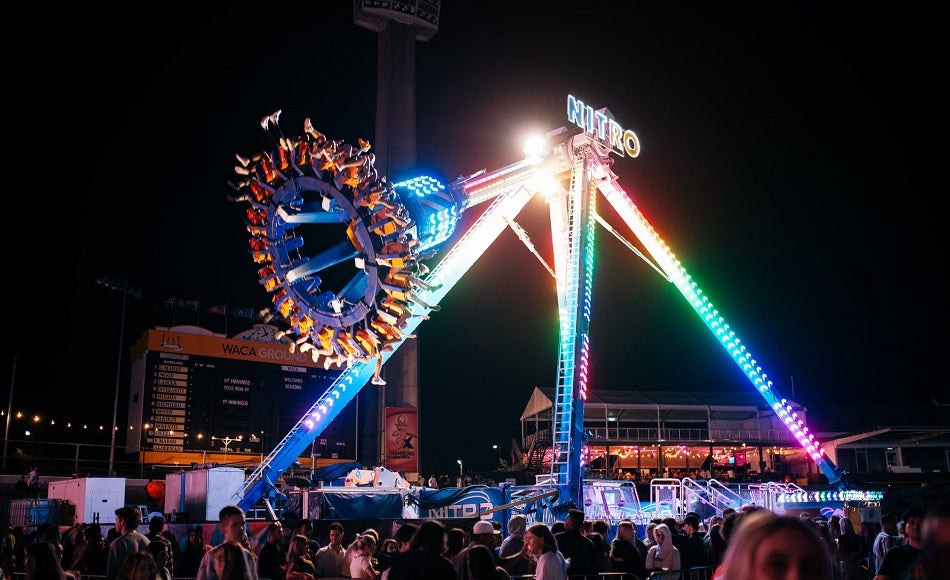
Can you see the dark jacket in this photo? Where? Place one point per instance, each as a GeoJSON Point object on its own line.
{"type": "Point", "coordinates": [580, 550]}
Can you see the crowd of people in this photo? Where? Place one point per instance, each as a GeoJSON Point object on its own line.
{"type": "Point", "coordinates": [750, 543]}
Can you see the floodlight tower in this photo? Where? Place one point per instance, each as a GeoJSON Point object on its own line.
{"type": "Point", "coordinates": [398, 26]}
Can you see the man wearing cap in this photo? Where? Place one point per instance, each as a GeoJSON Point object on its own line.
{"type": "Point", "coordinates": [129, 540]}
{"type": "Point", "coordinates": [483, 532]}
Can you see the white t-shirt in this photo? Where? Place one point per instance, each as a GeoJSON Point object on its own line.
{"type": "Point", "coordinates": [360, 567]}
{"type": "Point", "coordinates": [551, 566]}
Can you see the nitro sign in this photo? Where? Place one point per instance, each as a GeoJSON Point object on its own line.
{"type": "Point", "coordinates": [601, 127]}
{"type": "Point", "coordinates": [474, 501]}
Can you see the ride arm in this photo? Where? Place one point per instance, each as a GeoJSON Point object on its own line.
{"type": "Point", "coordinates": [510, 189]}
{"type": "Point", "coordinates": [727, 338]}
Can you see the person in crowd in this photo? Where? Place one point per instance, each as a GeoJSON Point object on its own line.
{"type": "Point", "coordinates": [513, 543]}
{"type": "Point", "coordinates": [51, 534]}
{"type": "Point", "coordinates": [139, 566]}
{"type": "Point", "coordinates": [299, 562]}
{"type": "Point", "coordinates": [75, 561]}
{"type": "Point", "coordinates": [901, 530]}
{"type": "Point", "coordinates": [97, 551]}
{"type": "Point", "coordinates": [42, 563]}
{"type": "Point", "coordinates": [869, 531]}
{"type": "Point", "coordinates": [129, 539]}
{"type": "Point", "coordinates": [195, 550]}
{"type": "Point", "coordinates": [361, 566]}
{"type": "Point", "coordinates": [648, 540]}
{"type": "Point", "coordinates": [328, 561]}
{"type": "Point", "coordinates": [33, 482]}
{"type": "Point", "coordinates": [433, 482]}
{"type": "Point", "coordinates": [603, 528]}
{"type": "Point", "coordinates": [557, 527]}
{"type": "Point", "coordinates": [627, 552]}
{"type": "Point", "coordinates": [601, 552]}
{"type": "Point", "coordinates": [935, 541]}
{"type": "Point", "coordinates": [577, 549]}
{"type": "Point", "coordinates": [380, 558]}
{"type": "Point", "coordinates": [713, 520]}
{"type": "Point", "coordinates": [176, 549]}
{"type": "Point", "coordinates": [306, 528]}
{"type": "Point", "coordinates": [403, 539]}
{"type": "Point", "coordinates": [483, 534]}
{"type": "Point", "coordinates": [513, 546]}
{"type": "Point", "coordinates": [390, 546]}
{"type": "Point", "coordinates": [715, 545]}
{"type": "Point", "coordinates": [19, 549]}
{"type": "Point", "coordinates": [884, 541]}
{"type": "Point", "coordinates": [230, 563]}
{"type": "Point", "coordinates": [161, 552]}
{"type": "Point", "coordinates": [455, 542]}
{"type": "Point", "coordinates": [664, 555]}
{"type": "Point", "coordinates": [271, 560]}
{"type": "Point", "coordinates": [156, 533]}
{"type": "Point", "coordinates": [232, 524]}
{"type": "Point", "coordinates": [424, 558]}
{"type": "Point", "coordinates": [729, 523]}
{"type": "Point", "coordinates": [850, 552]}
{"type": "Point", "coordinates": [541, 544]}
{"type": "Point", "coordinates": [690, 543]}
{"type": "Point", "coordinates": [481, 565]}
{"type": "Point", "coordinates": [768, 546]}
{"type": "Point", "coordinates": [905, 560]}
{"type": "Point", "coordinates": [155, 526]}
{"type": "Point", "coordinates": [834, 526]}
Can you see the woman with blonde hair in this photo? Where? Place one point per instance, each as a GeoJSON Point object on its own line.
{"type": "Point", "coordinates": [663, 555]}
{"type": "Point", "coordinates": [361, 566]}
{"type": "Point", "coordinates": [766, 546]}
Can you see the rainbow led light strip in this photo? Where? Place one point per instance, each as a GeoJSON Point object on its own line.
{"type": "Point", "coordinates": [716, 323]}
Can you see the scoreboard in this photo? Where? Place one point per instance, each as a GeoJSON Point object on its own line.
{"type": "Point", "coordinates": [194, 390]}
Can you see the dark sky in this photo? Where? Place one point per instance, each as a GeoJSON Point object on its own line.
{"type": "Point", "coordinates": [792, 157]}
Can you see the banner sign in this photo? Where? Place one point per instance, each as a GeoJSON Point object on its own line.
{"type": "Point", "coordinates": [402, 437]}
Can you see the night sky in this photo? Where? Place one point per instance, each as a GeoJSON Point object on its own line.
{"type": "Point", "coordinates": [792, 157]}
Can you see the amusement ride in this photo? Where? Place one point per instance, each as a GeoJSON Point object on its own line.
{"type": "Point", "coordinates": [362, 285]}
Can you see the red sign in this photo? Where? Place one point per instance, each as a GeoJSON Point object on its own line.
{"type": "Point", "coordinates": [402, 437]}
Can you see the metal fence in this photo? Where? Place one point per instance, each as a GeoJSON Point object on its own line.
{"type": "Point", "coordinates": [69, 459]}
